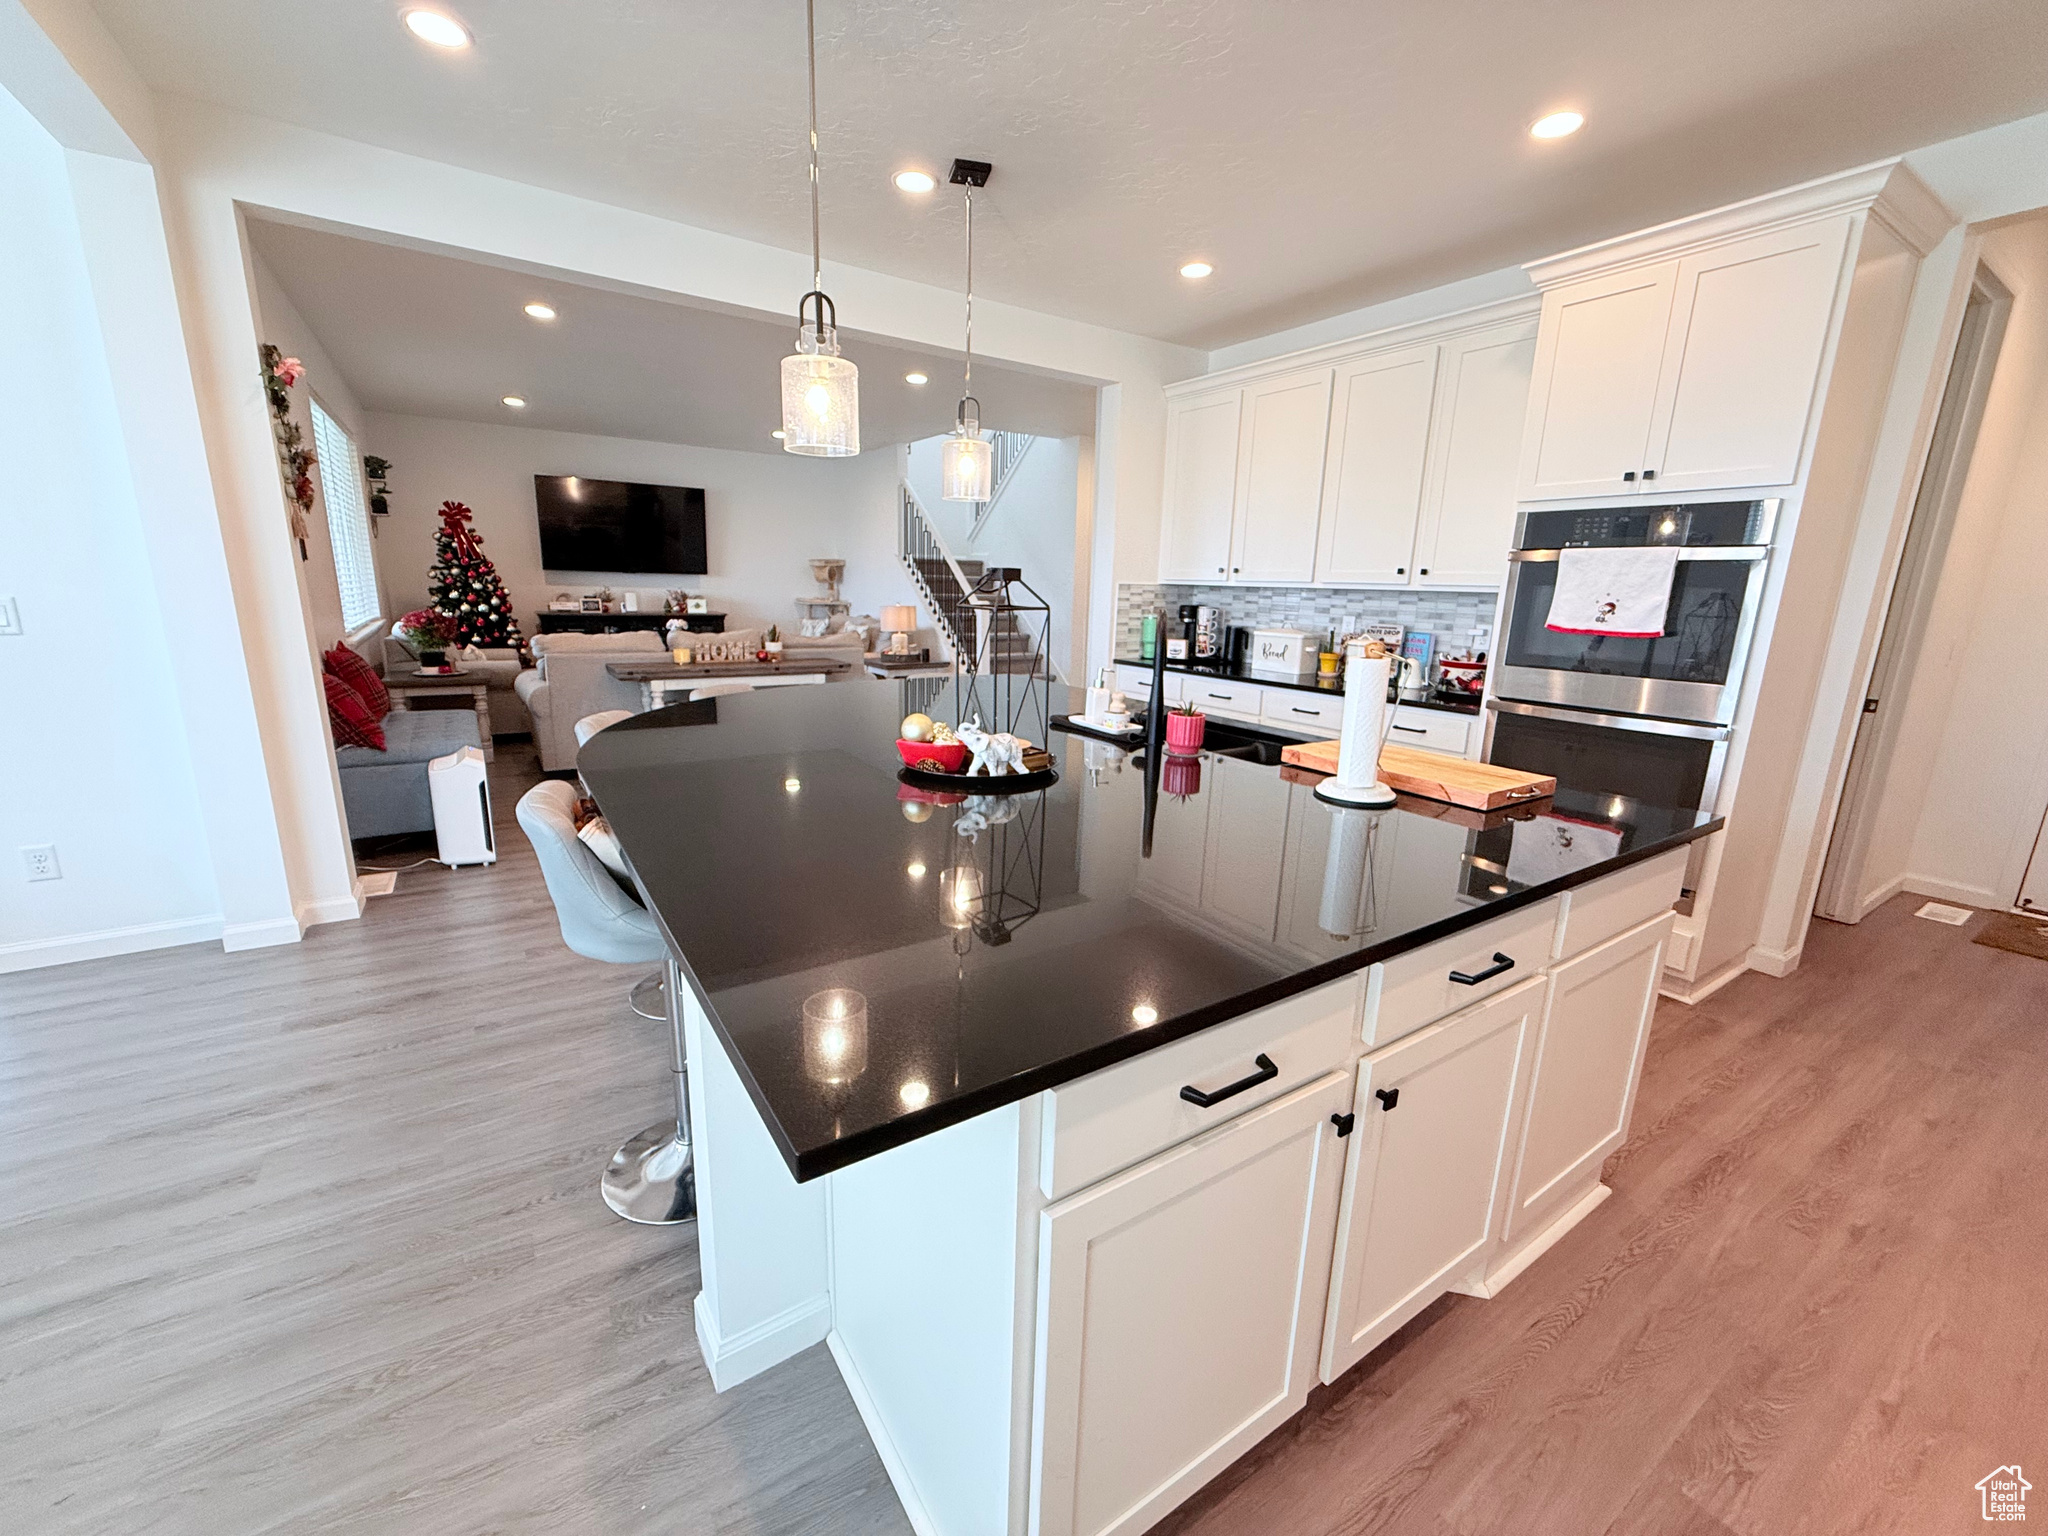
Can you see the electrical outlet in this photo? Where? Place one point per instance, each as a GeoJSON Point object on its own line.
{"type": "Point", "coordinates": [42, 862]}
{"type": "Point", "coordinates": [10, 617]}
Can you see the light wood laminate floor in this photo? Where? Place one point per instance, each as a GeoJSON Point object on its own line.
{"type": "Point", "coordinates": [308, 1239]}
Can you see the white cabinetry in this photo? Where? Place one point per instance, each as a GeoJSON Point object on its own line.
{"type": "Point", "coordinates": [1693, 373]}
{"type": "Point", "coordinates": [1201, 486]}
{"type": "Point", "coordinates": [1244, 470]}
{"type": "Point", "coordinates": [1280, 458]}
{"type": "Point", "coordinates": [1468, 518]}
{"type": "Point", "coordinates": [1428, 1160]}
{"type": "Point", "coordinates": [1180, 1308]}
{"type": "Point", "coordinates": [1393, 464]}
{"type": "Point", "coordinates": [1582, 1083]}
{"type": "Point", "coordinates": [1373, 477]}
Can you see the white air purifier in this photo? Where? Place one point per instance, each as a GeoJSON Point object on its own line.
{"type": "Point", "coordinates": [462, 809]}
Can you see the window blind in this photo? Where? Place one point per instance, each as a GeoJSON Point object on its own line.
{"type": "Point", "coordinates": [348, 519]}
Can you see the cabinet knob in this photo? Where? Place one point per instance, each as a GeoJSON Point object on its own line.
{"type": "Point", "coordinates": [1400, 570]}
{"type": "Point", "coordinates": [1388, 1097]}
{"type": "Point", "coordinates": [1219, 570]}
{"type": "Point", "coordinates": [1343, 1124]}
{"type": "Point", "coordinates": [1649, 474]}
{"type": "Point", "coordinates": [1628, 474]}
{"type": "Point", "coordinates": [1423, 572]}
{"type": "Point", "coordinates": [1236, 570]}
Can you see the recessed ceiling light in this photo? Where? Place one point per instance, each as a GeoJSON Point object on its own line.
{"type": "Point", "coordinates": [1196, 269]}
{"type": "Point", "coordinates": [915, 378]}
{"type": "Point", "coordinates": [776, 434]}
{"type": "Point", "coordinates": [914, 181]}
{"type": "Point", "coordinates": [1557, 125]}
{"type": "Point", "coordinates": [541, 311]}
{"type": "Point", "coordinates": [438, 28]}
{"type": "Point", "coordinates": [517, 402]}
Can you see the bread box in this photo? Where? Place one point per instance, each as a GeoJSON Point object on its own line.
{"type": "Point", "coordinates": [1281, 653]}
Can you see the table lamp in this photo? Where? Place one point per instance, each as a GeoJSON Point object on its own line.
{"type": "Point", "coordinates": [899, 619]}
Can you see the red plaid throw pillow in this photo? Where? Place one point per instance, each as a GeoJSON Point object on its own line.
{"type": "Point", "coordinates": [354, 725]}
{"type": "Point", "coordinates": [345, 664]}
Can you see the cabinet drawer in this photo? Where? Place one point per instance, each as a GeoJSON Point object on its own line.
{"type": "Point", "coordinates": [1595, 913]}
{"type": "Point", "coordinates": [1299, 711]}
{"type": "Point", "coordinates": [1136, 682]}
{"type": "Point", "coordinates": [1430, 729]}
{"type": "Point", "coordinates": [1416, 988]}
{"type": "Point", "coordinates": [1123, 1114]}
{"type": "Point", "coordinates": [1220, 696]}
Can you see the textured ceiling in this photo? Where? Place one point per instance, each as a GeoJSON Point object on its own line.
{"type": "Point", "coordinates": [425, 334]}
{"type": "Point", "coordinates": [1323, 153]}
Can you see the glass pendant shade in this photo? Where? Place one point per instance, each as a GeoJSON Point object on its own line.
{"type": "Point", "coordinates": [967, 462]}
{"type": "Point", "coordinates": [820, 397]}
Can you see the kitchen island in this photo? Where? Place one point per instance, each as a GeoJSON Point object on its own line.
{"type": "Point", "coordinates": [1092, 1125]}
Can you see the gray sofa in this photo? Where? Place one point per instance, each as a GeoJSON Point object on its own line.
{"type": "Point", "coordinates": [386, 792]}
{"type": "Point", "coordinates": [569, 680]}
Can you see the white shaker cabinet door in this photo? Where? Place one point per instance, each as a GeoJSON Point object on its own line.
{"type": "Point", "coordinates": [1598, 357]}
{"type": "Point", "coordinates": [1179, 1309]}
{"type": "Point", "coordinates": [1247, 841]}
{"type": "Point", "coordinates": [1468, 520]}
{"type": "Point", "coordinates": [1373, 477]}
{"type": "Point", "coordinates": [1582, 1084]}
{"type": "Point", "coordinates": [1749, 326]}
{"type": "Point", "coordinates": [1280, 474]}
{"type": "Point", "coordinates": [1201, 487]}
{"type": "Point", "coordinates": [1429, 1157]}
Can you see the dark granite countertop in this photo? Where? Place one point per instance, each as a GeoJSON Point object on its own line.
{"type": "Point", "coordinates": [785, 859]}
{"type": "Point", "coordinates": [1333, 685]}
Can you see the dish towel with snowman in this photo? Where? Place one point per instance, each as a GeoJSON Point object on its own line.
{"type": "Point", "coordinates": [1623, 592]}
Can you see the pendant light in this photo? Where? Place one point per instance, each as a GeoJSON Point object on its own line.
{"type": "Point", "coordinates": [967, 463]}
{"type": "Point", "coordinates": [820, 389]}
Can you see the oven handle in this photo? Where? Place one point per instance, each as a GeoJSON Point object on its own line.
{"type": "Point", "coordinates": [1746, 552]}
{"type": "Point", "coordinates": [1641, 724]}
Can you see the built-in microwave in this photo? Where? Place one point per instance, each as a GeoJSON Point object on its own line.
{"type": "Point", "coordinates": [1693, 670]}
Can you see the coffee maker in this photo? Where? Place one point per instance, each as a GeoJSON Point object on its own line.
{"type": "Point", "coordinates": [1208, 634]}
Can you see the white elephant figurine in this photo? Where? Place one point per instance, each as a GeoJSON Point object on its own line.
{"type": "Point", "coordinates": [993, 754]}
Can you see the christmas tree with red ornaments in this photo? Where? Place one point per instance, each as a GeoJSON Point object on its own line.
{"type": "Point", "coordinates": [464, 586]}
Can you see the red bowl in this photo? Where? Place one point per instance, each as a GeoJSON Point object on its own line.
{"type": "Point", "coordinates": [934, 756]}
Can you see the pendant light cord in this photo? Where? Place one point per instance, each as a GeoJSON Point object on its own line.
{"type": "Point", "coordinates": [817, 259]}
{"type": "Point", "coordinates": [970, 290]}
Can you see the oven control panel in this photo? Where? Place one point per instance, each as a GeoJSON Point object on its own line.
{"type": "Point", "coordinates": [1713, 524]}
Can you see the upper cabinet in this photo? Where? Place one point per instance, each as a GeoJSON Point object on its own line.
{"type": "Point", "coordinates": [1394, 467]}
{"type": "Point", "coordinates": [1693, 373]}
{"type": "Point", "coordinates": [1201, 486]}
{"type": "Point", "coordinates": [1280, 470]}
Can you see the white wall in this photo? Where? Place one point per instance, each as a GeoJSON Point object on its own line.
{"type": "Point", "coordinates": [95, 758]}
{"type": "Point", "coordinates": [1968, 780]}
{"type": "Point", "coordinates": [766, 515]}
{"type": "Point", "coordinates": [1033, 527]}
{"type": "Point", "coordinates": [279, 322]}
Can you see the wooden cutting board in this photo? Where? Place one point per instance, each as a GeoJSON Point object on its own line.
{"type": "Point", "coordinates": [1435, 775]}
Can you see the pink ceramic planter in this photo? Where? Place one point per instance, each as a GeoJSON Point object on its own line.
{"type": "Point", "coordinates": [1184, 732]}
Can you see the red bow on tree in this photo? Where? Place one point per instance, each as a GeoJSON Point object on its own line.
{"type": "Point", "coordinates": [453, 517]}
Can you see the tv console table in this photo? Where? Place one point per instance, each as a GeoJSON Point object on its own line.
{"type": "Point", "coordinates": [618, 623]}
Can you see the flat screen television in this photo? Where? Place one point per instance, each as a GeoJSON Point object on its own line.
{"type": "Point", "coordinates": [618, 525]}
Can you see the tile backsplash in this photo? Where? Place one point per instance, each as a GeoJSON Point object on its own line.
{"type": "Point", "coordinates": [1450, 616]}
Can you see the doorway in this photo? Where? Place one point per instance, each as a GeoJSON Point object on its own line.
{"type": "Point", "coordinates": [1927, 539]}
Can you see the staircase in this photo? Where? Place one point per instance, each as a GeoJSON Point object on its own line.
{"type": "Point", "coordinates": [1007, 450]}
{"type": "Point", "coordinates": [961, 596]}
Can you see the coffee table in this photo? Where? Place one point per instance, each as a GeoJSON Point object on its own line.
{"type": "Point", "coordinates": [406, 687]}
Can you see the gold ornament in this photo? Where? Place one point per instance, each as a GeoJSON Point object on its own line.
{"type": "Point", "coordinates": [916, 810]}
{"type": "Point", "coordinates": [916, 728]}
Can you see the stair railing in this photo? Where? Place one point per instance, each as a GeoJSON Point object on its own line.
{"type": "Point", "coordinates": [1007, 452]}
{"type": "Point", "coordinates": [922, 549]}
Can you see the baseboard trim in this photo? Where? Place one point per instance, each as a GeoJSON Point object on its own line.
{"type": "Point", "coordinates": [1879, 897]}
{"type": "Point", "coordinates": [1979, 896]}
{"type": "Point", "coordinates": [34, 954]}
{"type": "Point", "coordinates": [885, 1447]}
{"type": "Point", "coordinates": [1499, 1280]}
{"type": "Point", "coordinates": [1774, 962]}
{"type": "Point", "coordinates": [272, 930]}
{"type": "Point", "coordinates": [1691, 993]}
{"type": "Point", "coordinates": [329, 909]}
{"type": "Point", "coordinates": [767, 1343]}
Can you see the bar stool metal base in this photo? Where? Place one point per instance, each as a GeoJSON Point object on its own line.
{"type": "Point", "coordinates": [648, 997]}
{"type": "Point", "coordinates": [652, 1179]}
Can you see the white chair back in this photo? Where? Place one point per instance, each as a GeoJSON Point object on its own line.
{"type": "Point", "coordinates": [590, 725]}
{"type": "Point", "coordinates": [598, 918]}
